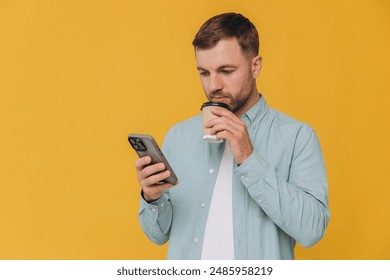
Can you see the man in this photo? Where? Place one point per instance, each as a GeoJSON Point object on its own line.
{"type": "Point", "coordinates": [252, 196]}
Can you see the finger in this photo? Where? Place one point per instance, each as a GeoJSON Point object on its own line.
{"type": "Point", "coordinates": [228, 124]}
{"type": "Point", "coordinates": [159, 187]}
{"type": "Point", "coordinates": [219, 127]}
{"type": "Point", "coordinates": [224, 135]}
{"type": "Point", "coordinates": [156, 178]}
{"type": "Point", "coordinates": [212, 122]}
{"type": "Point", "coordinates": [142, 162]}
{"type": "Point", "coordinates": [221, 112]}
{"type": "Point", "coordinates": [150, 170]}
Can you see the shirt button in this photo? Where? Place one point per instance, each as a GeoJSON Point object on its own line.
{"type": "Point", "coordinates": [242, 177]}
{"type": "Point", "coordinates": [162, 204]}
{"type": "Point", "coordinates": [154, 209]}
{"type": "Point", "coordinates": [211, 171]}
{"type": "Point", "coordinates": [196, 240]}
{"type": "Point", "coordinates": [203, 205]}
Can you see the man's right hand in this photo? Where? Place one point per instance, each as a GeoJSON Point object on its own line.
{"type": "Point", "coordinates": [150, 176]}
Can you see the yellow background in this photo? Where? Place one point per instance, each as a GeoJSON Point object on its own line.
{"type": "Point", "coordinates": [76, 77]}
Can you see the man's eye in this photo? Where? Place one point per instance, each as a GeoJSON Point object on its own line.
{"type": "Point", "coordinates": [227, 72]}
{"type": "Point", "coordinates": [203, 74]}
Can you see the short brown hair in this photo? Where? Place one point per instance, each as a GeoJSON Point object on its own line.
{"type": "Point", "coordinates": [225, 26]}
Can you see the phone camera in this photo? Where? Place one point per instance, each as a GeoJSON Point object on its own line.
{"type": "Point", "coordinates": [137, 144]}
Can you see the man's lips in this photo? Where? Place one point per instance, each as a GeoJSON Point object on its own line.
{"type": "Point", "coordinates": [219, 98]}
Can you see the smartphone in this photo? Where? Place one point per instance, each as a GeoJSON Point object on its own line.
{"type": "Point", "coordinates": [145, 145]}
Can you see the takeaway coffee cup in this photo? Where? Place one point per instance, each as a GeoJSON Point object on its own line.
{"type": "Point", "coordinates": [207, 115]}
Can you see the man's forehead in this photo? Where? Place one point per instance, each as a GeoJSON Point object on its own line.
{"type": "Point", "coordinates": [225, 52]}
{"type": "Point", "coordinates": [226, 44]}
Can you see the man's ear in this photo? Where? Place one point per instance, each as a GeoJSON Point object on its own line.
{"type": "Point", "coordinates": [256, 66]}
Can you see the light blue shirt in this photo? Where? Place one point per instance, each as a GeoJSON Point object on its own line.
{"type": "Point", "coordinates": [280, 193]}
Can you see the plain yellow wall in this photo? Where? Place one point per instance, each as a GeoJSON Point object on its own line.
{"type": "Point", "coordinates": [76, 77]}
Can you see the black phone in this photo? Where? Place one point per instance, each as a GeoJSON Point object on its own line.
{"type": "Point", "coordinates": [145, 145]}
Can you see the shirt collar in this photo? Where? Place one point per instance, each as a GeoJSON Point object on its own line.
{"type": "Point", "coordinates": [257, 112]}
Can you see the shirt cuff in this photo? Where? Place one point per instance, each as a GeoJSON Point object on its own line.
{"type": "Point", "coordinates": [155, 204]}
{"type": "Point", "coordinates": [253, 169]}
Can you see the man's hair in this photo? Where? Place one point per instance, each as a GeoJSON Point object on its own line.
{"type": "Point", "coordinates": [226, 26]}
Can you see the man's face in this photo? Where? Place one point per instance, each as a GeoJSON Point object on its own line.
{"type": "Point", "coordinates": [227, 75]}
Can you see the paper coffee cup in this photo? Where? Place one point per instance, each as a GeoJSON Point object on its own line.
{"type": "Point", "coordinates": [208, 115]}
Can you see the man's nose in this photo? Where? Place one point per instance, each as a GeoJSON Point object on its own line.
{"type": "Point", "coordinates": [215, 83]}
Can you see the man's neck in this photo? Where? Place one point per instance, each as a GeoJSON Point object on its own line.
{"type": "Point", "coordinates": [255, 96]}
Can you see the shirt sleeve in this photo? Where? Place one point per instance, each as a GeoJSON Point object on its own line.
{"type": "Point", "coordinates": [155, 218]}
{"type": "Point", "coordinates": [298, 205]}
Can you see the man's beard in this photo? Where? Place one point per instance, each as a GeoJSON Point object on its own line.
{"type": "Point", "coordinates": [236, 104]}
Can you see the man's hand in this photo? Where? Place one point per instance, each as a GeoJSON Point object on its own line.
{"type": "Point", "coordinates": [149, 177]}
{"type": "Point", "coordinates": [228, 126]}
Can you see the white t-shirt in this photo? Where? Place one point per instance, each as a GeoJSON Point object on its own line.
{"type": "Point", "coordinates": [218, 241]}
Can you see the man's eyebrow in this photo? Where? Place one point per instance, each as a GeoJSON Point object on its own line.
{"type": "Point", "coordinates": [219, 68]}
{"type": "Point", "coordinates": [227, 66]}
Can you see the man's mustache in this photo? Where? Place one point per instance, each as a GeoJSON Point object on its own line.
{"type": "Point", "coordinates": [218, 94]}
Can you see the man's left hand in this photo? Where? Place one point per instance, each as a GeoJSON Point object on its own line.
{"type": "Point", "coordinates": [230, 127]}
